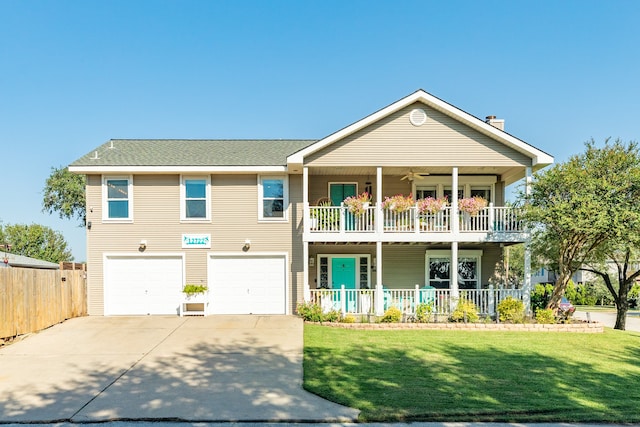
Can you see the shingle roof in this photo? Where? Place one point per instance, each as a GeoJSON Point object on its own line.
{"type": "Point", "coordinates": [188, 152]}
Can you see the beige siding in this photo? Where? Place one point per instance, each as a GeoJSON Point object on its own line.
{"type": "Point", "coordinates": [156, 219]}
{"type": "Point", "coordinates": [394, 141]}
{"type": "Point", "coordinates": [403, 266]}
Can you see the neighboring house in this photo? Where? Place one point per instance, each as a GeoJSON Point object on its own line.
{"type": "Point", "coordinates": [261, 222]}
{"type": "Point", "coordinates": [14, 260]}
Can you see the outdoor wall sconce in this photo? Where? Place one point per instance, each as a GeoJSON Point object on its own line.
{"type": "Point", "coordinates": [143, 245]}
{"type": "Point", "coordinates": [247, 245]}
{"type": "Point", "coordinates": [374, 264]}
{"type": "Point", "coordinates": [312, 261]}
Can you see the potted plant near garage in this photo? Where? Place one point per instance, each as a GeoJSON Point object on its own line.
{"type": "Point", "coordinates": [196, 299]}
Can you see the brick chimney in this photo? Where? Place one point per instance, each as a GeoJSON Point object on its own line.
{"type": "Point", "coordinates": [496, 123]}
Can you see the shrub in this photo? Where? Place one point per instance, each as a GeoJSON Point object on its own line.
{"type": "Point", "coordinates": [332, 316]}
{"type": "Point", "coordinates": [349, 318]}
{"type": "Point", "coordinates": [310, 312]}
{"type": "Point", "coordinates": [392, 315]}
{"type": "Point", "coordinates": [465, 312]}
{"type": "Point", "coordinates": [545, 316]}
{"type": "Point", "coordinates": [511, 310]}
{"type": "Point", "coordinates": [541, 295]}
{"type": "Point", "coordinates": [424, 312]}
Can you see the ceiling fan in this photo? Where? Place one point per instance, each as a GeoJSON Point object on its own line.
{"type": "Point", "coordinates": [411, 175]}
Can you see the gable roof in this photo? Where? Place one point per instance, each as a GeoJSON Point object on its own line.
{"type": "Point", "coordinates": [161, 155]}
{"type": "Point", "coordinates": [539, 158]}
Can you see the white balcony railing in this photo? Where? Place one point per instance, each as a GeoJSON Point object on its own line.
{"type": "Point", "coordinates": [338, 219]}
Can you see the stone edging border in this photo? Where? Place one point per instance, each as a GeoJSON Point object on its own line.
{"type": "Point", "coordinates": [582, 327]}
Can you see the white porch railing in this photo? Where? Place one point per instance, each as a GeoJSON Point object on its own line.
{"type": "Point", "coordinates": [363, 301]}
{"type": "Point", "coordinates": [338, 219]}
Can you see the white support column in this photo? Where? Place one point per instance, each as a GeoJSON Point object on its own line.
{"type": "Point", "coordinates": [379, 218]}
{"type": "Point", "coordinates": [379, 291]}
{"type": "Point", "coordinates": [526, 288]}
{"type": "Point", "coordinates": [305, 244]}
{"type": "Point", "coordinates": [455, 223]}
{"type": "Point", "coordinates": [453, 275]}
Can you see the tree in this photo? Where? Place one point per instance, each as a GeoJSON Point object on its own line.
{"type": "Point", "coordinates": [621, 259]}
{"type": "Point", "coordinates": [64, 192]}
{"type": "Point", "coordinates": [36, 241]}
{"type": "Point", "coordinates": [578, 207]}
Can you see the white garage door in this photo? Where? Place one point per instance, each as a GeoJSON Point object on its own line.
{"type": "Point", "coordinates": [247, 284]}
{"type": "Point", "coordinates": [142, 285]}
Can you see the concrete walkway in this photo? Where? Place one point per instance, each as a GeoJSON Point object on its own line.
{"type": "Point", "coordinates": [218, 368]}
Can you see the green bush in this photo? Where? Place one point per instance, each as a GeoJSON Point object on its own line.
{"type": "Point", "coordinates": [349, 318]}
{"type": "Point", "coordinates": [392, 315]}
{"type": "Point", "coordinates": [310, 312]}
{"type": "Point", "coordinates": [541, 295]}
{"type": "Point", "coordinates": [511, 310]}
{"type": "Point", "coordinates": [332, 316]}
{"type": "Point", "coordinates": [465, 312]}
{"type": "Point", "coordinates": [545, 316]}
{"type": "Point", "coordinates": [424, 312]}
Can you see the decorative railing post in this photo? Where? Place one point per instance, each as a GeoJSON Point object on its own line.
{"type": "Point", "coordinates": [492, 217]}
{"type": "Point", "coordinates": [379, 299]}
{"type": "Point", "coordinates": [342, 219]}
{"type": "Point", "coordinates": [492, 301]}
{"type": "Point", "coordinates": [343, 300]}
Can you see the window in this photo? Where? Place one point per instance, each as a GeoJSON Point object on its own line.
{"type": "Point", "coordinates": [448, 194]}
{"type": "Point", "coordinates": [484, 192]}
{"type": "Point", "coordinates": [439, 264]}
{"type": "Point", "coordinates": [195, 196]}
{"type": "Point", "coordinates": [117, 198]}
{"type": "Point", "coordinates": [273, 195]}
{"type": "Point", "coordinates": [424, 192]}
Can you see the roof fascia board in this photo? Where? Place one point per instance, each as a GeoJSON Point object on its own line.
{"type": "Point", "coordinates": [176, 169]}
{"type": "Point", "coordinates": [537, 156]}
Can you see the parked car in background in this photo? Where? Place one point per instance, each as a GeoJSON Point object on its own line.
{"type": "Point", "coordinates": [566, 307]}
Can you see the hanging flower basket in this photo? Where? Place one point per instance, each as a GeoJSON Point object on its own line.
{"type": "Point", "coordinates": [472, 205]}
{"type": "Point", "coordinates": [398, 203]}
{"type": "Point", "coordinates": [431, 205]}
{"type": "Point", "coordinates": [358, 205]}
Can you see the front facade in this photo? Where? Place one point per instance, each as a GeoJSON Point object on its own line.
{"type": "Point", "coordinates": [264, 225]}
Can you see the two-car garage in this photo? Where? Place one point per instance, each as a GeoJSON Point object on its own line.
{"type": "Point", "coordinates": [152, 284]}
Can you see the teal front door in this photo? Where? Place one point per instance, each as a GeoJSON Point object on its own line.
{"type": "Point", "coordinates": [343, 272]}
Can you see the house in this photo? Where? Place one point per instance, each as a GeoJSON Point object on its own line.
{"type": "Point", "coordinates": [264, 225]}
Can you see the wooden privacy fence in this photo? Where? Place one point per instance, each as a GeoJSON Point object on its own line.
{"type": "Point", "coordinates": [33, 299]}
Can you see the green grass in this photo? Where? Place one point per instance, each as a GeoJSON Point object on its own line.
{"type": "Point", "coordinates": [412, 375]}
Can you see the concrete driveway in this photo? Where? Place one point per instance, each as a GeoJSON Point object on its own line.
{"type": "Point", "coordinates": [217, 368]}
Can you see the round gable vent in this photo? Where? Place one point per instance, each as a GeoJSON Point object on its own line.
{"type": "Point", "coordinates": [418, 117]}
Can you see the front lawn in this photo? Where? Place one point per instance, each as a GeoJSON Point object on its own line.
{"type": "Point", "coordinates": [410, 375]}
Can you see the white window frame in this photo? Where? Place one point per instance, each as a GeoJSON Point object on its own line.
{"type": "Point", "coordinates": [464, 253]}
{"type": "Point", "coordinates": [285, 202]}
{"type": "Point", "coordinates": [105, 199]}
{"type": "Point", "coordinates": [183, 198]}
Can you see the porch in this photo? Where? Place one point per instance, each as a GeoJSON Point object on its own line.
{"type": "Point", "coordinates": [439, 302]}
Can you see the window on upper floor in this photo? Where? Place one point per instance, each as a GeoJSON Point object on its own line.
{"type": "Point", "coordinates": [117, 198]}
{"type": "Point", "coordinates": [422, 192]}
{"type": "Point", "coordinates": [481, 191]}
{"type": "Point", "coordinates": [195, 198]}
{"type": "Point", "coordinates": [273, 195]}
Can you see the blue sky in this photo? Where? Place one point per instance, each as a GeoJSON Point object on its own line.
{"type": "Point", "coordinates": [74, 74]}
